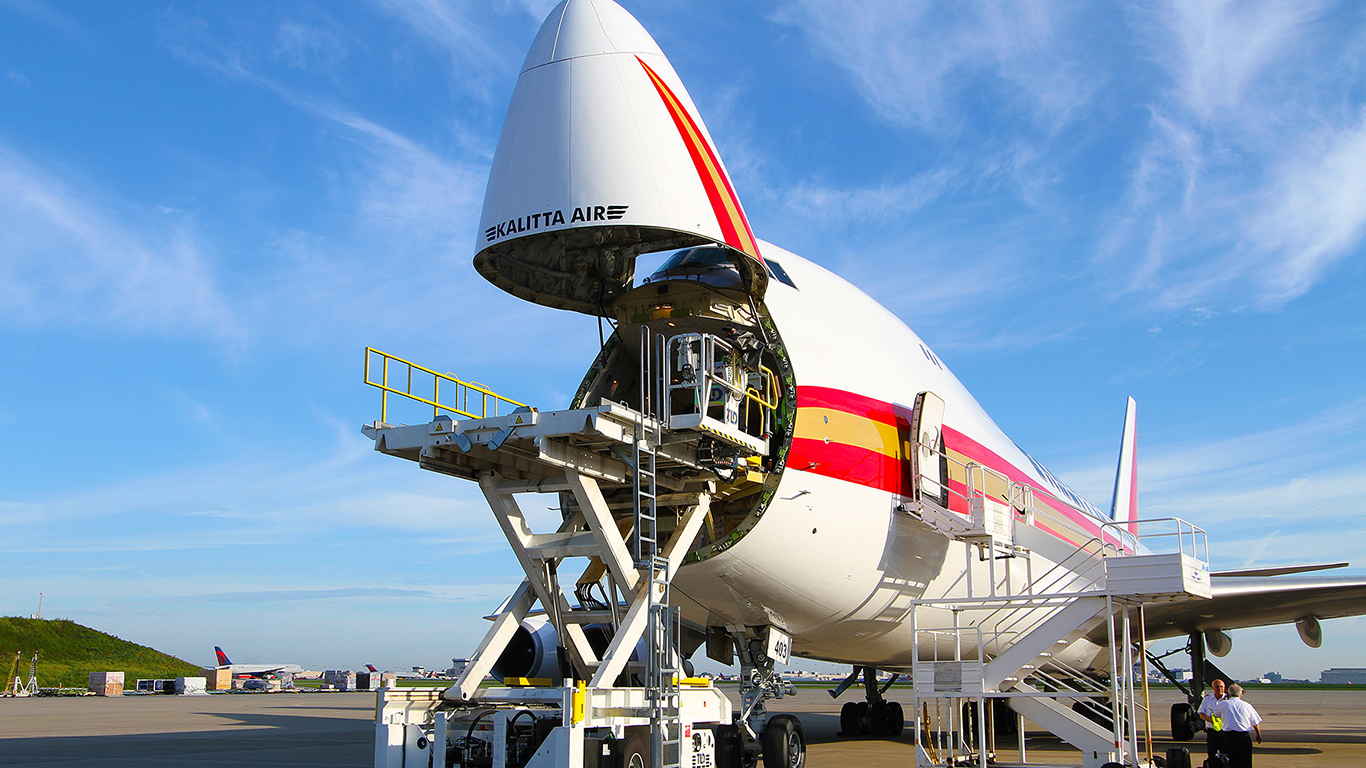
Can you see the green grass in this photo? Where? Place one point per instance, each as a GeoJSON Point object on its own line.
{"type": "Point", "coordinates": [68, 652]}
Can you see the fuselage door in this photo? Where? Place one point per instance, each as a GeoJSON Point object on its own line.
{"type": "Point", "coordinates": [927, 445]}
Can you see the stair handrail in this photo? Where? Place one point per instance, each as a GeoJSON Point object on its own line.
{"type": "Point", "coordinates": [462, 397]}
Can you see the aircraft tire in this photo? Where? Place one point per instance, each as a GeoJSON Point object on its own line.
{"type": "Point", "coordinates": [635, 751]}
{"type": "Point", "coordinates": [896, 719]}
{"type": "Point", "coordinates": [1181, 723]}
{"type": "Point", "coordinates": [877, 718]}
{"type": "Point", "coordinates": [784, 743]}
{"type": "Point", "coordinates": [849, 719]}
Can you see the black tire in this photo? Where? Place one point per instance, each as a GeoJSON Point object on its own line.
{"type": "Point", "coordinates": [635, 751]}
{"type": "Point", "coordinates": [1181, 723]}
{"type": "Point", "coordinates": [896, 718]}
{"type": "Point", "coordinates": [730, 747]}
{"type": "Point", "coordinates": [877, 718]}
{"type": "Point", "coordinates": [849, 719]}
{"type": "Point", "coordinates": [1003, 717]}
{"type": "Point", "coordinates": [784, 743]}
{"type": "Point", "coordinates": [1090, 712]}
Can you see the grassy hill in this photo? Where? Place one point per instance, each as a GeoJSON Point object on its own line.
{"type": "Point", "coordinates": [69, 652]}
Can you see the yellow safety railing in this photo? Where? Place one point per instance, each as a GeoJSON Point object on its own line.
{"type": "Point", "coordinates": [463, 398]}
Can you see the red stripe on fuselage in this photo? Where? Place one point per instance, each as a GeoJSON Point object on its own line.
{"type": "Point", "coordinates": [872, 469]}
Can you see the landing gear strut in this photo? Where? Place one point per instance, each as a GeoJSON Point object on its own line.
{"type": "Point", "coordinates": [875, 716]}
{"type": "Point", "coordinates": [781, 739]}
{"type": "Point", "coordinates": [1184, 720]}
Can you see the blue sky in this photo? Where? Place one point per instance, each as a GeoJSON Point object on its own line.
{"type": "Point", "coordinates": [208, 210]}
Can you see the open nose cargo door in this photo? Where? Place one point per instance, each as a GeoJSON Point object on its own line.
{"type": "Point", "coordinates": [602, 157]}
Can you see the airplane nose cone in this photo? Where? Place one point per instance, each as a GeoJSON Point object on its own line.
{"type": "Point", "coordinates": [588, 28]}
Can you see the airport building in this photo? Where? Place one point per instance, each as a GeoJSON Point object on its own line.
{"type": "Point", "coordinates": [1343, 676]}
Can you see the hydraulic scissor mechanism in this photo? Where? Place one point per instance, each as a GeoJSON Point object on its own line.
{"type": "Point", "coordinates": [664, 457]}
{"type": "Point", "coordinates": [875, 715]}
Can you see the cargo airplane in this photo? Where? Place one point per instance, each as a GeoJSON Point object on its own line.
{"type": "Point", "coordinates": [846, 461]}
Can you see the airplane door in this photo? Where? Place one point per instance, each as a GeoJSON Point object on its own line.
{"type": "Point", "coordinates": [927, 471]}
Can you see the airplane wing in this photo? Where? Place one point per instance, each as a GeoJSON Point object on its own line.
{"type": "Point", "coordinates": [1256, 601]}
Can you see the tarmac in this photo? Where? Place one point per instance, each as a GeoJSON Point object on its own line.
{"type": "Point", "coordinates": [1302, 728]}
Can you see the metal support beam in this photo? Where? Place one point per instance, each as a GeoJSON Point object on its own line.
{"type": "Point", "coordinates": [493, 645]}
{"type": "Point", "coordinates": [637, 616]}
{"type": "Point", "coordinates": [519, 537]}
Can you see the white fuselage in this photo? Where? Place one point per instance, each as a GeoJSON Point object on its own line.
{"type": "Point", "coordinates": [831, 560]}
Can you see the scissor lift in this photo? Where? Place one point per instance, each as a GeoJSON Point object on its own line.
{"type": "Point", "coordinates": [597, 705]}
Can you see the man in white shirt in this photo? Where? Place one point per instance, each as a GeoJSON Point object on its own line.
{"type": "Point", "coordinates": [1239, 721]}
{"type": "Point", "coordinates": [1214, 739]}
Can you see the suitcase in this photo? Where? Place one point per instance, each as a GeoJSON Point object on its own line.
{"type": "Point", "coordinates": [1178, 757]}
{"type": "Point", "coordinates": [1220, 760]}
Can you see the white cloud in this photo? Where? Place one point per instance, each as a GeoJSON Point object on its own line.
{"type": "Point", "coordinates": [67, 259]}
{"type": "Point", "coordinates": [913, 61]}
{"type": "Point", "coordinates": [1225, 50]}
{"type": "Point", "coordinates": [1244, 489]}
{"type": "Point", "coordinates": [1249, 188]}
{"type": "Point", "coordinates": [307, 46]}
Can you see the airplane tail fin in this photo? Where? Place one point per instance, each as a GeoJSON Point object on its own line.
{"type": "Point", "coordinates": [371, 667]}
{"type": "Point", "coordinates": [222, 657]}
{"type": "Point", "coordinates": [1125, 504]}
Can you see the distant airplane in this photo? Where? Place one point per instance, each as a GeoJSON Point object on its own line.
{"type": "Point", "coordinates": [371, 668]}
{"type": "Point", "coordinates": [255, 670]}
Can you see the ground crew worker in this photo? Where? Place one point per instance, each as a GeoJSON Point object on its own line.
{"type": "Point", "coordinates": [1240, 721]}
{"type": "Point", "coordinates": [1214, 740]}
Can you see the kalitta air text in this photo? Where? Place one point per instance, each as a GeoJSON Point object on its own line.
{"type": "Point", "coordinates": [535, 221]}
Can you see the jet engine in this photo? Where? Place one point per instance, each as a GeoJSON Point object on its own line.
{"type": "Point", "coordinates": [533, 651]}
{"type": "Point", "coordinates": [1311, 632]}
{"type": "Point", "coordinates": [1217, 642]}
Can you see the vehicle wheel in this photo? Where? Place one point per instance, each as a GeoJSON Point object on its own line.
{"type": "Point", "coordinates": [849, 719]}
{"type": "Point", "coordinates": [896, 718]}
{"type": "Point", "coordinates": [1181, 723]}
{"type": "Point", "coordinates": [635, 752]}
{"type": "Point", "coordinates": [730, 747]}
{"type": "Point", "coordinates": [784, 743]}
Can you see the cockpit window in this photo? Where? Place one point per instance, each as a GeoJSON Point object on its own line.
{"type": "Point", "coordinates": [706, 264]}
{"type": "Point", "coordinates": [776, 269]}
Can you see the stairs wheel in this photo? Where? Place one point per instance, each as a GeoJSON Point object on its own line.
{"type": "Point", "coordinates": [784, 743]}
{"type": "Point", "coordinates": [849, 719]}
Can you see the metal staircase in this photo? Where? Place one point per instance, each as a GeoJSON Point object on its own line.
{"type": "Point", "coordinates": [1009, 645]}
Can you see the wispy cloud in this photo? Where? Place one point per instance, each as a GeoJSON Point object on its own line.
{"type": "Point", "coordinates": [1249, 188]}
{"type": "Point", "coordinates": [67, 259]}
{"type": "Point", "coordinates": [1243, 488]}
{"type": "Point", "coordinates": [914, 61]}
